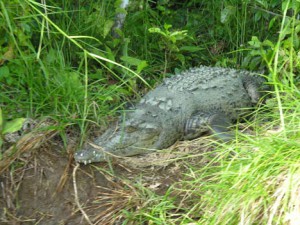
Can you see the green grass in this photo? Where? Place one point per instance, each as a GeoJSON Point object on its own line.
{"type": "Point", "coordinates": [257, 185]}
{"type": "Point", "coordinates": [67, 66]}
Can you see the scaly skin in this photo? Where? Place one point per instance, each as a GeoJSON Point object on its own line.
{"type": "Point", "coordinates": [182, 107]}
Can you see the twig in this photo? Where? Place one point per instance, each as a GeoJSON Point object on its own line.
{"type": "Point", "coordinates": [76, 196]}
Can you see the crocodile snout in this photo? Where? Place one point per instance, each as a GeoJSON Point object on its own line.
{"type": "Point", "coordinates": [89, 155]}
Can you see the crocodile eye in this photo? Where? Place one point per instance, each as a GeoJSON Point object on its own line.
{"type": "Point", "coordinates": [130, 129]}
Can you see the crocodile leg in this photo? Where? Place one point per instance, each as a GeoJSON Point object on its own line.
{"type": "Point", "coordinates": [219, 124]}
{"type": "Point", "coordinates": [253, 87]}
{"type": "Point", "coordinates": [200, 123]}
{"type": "Point", "coordinates": [196, 126]}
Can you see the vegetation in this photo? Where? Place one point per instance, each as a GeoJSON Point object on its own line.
{"type": "Point", "coordinates": [61, 60]}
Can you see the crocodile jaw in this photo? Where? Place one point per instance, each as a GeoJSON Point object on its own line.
{"type": "Point", "coordinates": [119, 144]}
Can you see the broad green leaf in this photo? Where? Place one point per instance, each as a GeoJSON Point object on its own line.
{"type": "Point", "coordinates": [272, 21]}
{"type": "Point", "coordinates": [285, 5]}
{"type": "Point", "coordinates": [268, 43]}
{"type": "Point", "coordinates": [1, 120]}
{"type": "Point", "coordinates": [141, 66]}
{"type": "Point", "coordinates": [297, 28]}
{"type": "Point", "coordinates": [257, 16]}
{"type": "Point", "coordinates": [263, 3]}
{"type": "Point", "coordinates": [121, 11]}
{"type": "Point", "coordinates": [179, 35]}
{"type": "Point", "coordinates": [226, 13]}
{"type": "Point", "coordinates": [255, 42]}
{"type": "Point", "coordinates": [167, 26]}
{"type": "Point", "coordinates": [131, 60]}
{"type": "Point", "coordinates": [191, 48]}
{"type": "Point", "coordinates": [157, 30]}
{"type": "Point", "coordinates": [181, 58]}
{"type": "Point", "coordinates": [13, 126]}
{"type": "Point", "coordinates": [154, 30]}
{"type": "Point", "coordinates": [4, 72]}
{"type": "Point", "coordinates": [107, 27]}
{"type": "Point", "coordinates": [296, 41]}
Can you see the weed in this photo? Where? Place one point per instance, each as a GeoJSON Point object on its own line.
{"type": "Point", "coordinates": [60, 60]}
{"type": "Point", "coordinates": [7, 127]}
{"type": "Point", "coordinates": [257, 184]}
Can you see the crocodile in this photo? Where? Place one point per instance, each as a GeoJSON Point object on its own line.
{"type": "Point", "coordinates": [183, 107]}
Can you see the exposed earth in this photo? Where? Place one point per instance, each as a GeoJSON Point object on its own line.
{"type": "Point", "coordinates": [41, 183]}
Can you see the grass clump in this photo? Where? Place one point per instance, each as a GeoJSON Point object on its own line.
{"type": "Point", "coordinates": [256, 179]}
{"type": "Point", "coordinates": [60, 60]}
{"type": "Point", "coordinates": [259, 184]}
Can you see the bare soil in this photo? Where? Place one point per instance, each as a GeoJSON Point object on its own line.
{"type": "Point", "coordinates": [41, 183]}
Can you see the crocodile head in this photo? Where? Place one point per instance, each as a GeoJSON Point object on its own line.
{"type": "Point", "coordinates": [131, 138]}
